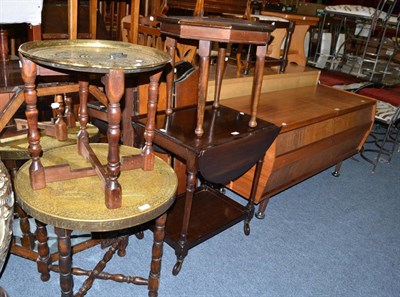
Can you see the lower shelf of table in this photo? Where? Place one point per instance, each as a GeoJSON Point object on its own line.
{"type": "Point", "coordinates": [211, 213]}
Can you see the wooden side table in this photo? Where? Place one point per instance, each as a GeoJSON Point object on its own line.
{"type": "Point", "coordinates": [222, 30]}
{"type": "Point", "coordinates": [227, 149]}
{"type": "Point", "coordinates": [79, 205]}
{"type": "Point", "coordinates": [113, 60]}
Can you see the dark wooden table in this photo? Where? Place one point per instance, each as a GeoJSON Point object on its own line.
{"type": "Point", "coordinates": [227, 149]}
{"type": "Point", "coordinates": [222, 30]}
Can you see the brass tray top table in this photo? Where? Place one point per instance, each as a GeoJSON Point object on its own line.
{"type": "Point", "coordinates": [222, 30]}
{"type": "Point", "coordinates": [14, 151]}
{"type": "Point", "coordinates": [78, 205]}
{"type": "Point", "coordinates": [113, 60]}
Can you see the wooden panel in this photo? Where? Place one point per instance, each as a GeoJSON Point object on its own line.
{"type": "Point", "coordinates": [233, 86]}
{"type": "Point", "coordinates": [4, 99]}
{"type": "Point", "coordinates": [322, 127]}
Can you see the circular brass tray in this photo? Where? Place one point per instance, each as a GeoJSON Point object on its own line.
{"type": "Point", "coordinates": [96, 56]}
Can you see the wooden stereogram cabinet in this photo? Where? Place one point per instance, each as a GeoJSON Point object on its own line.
{"type": "Point", "coordinates": [321, 127]}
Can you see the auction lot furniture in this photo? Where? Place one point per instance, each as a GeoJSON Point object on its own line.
{"type": "Point", "coordinates": [78, 205]}
{"type": "Point", "coordinates": [113, 61]}
{"type": "Point", "coordinates": [227, 149]}
{"type": "Point", "coordinates": [321, 127]}
{"type": "Point", "coordinates": [223, 30]}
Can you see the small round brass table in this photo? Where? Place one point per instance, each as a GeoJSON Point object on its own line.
{"type": "Point", "coordinates": [16, 147]}
{"type": "Point", "coordinates": [78, 204]}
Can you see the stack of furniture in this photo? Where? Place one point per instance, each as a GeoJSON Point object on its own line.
{"type": "Point", "coordinates": [365, 43]}
{"type": "Point", "coordinates": [213, 141]}
{"type": "Point", "coordinates": [385, 136]}
{"type": "Point", "coordinates": [57, 188]}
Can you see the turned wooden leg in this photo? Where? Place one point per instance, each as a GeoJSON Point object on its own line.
{"type": "Point", "coordinates": [156, 255]}
{"type": "Point", "coordinates": [36, 170]}
{"type": "Point", "coordinates": [219, 73]}
{"type": "Point", "coordinates": [127, 127]}
{"type": "Point", "coordinates": [43, 260]}
{"type": "Point", "coordinates": [257, 82]}
{"type": "Point", "coordinates": [28, 238]}
{"type": "Point", "coordinates": [123, 243]}
{"type": "Point", "coordinates": [182, 251]}
{"type": "Point", "coordinates": [250, 204]}
{"type": "Point", "coordinates": [114, 83]}
{"type": "Point", "coordinates": [147, 152]}
{"type": "Point", "coordinates": [170, 44]}
{"type": "Point", "coordinates": [83, 135]}
{"type": "Point", "coordinates": [204, 68]}
{"type": "Point", "coordinates": [65, 261]}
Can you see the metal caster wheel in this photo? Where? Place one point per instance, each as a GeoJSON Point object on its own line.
{"type": "Point", "coordinates": [260, 215]}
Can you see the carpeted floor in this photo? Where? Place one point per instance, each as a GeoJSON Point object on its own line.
{"type": "Point", "coordinates": [326, 236]}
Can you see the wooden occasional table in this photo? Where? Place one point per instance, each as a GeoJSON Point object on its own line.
{"type": "Point", "coordinates": [227, 149]}
{"type": "Point", "coordinates": [79, 205]}
{"type": "Point", "coordinates": [13, 152]}
{"type": "Point", "coordinates": [222, 30]}
{"type": "Point", "coordinates": [321, 127]}
{"type": "Point", "coordinates": [302, 24]}
{"type": "Point", "coordinates": [113, 60]}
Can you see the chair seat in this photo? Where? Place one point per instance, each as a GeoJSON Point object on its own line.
{"type": "Point", "coordinates": [356, 10]}
{"type": "Point", "coordinates": [385, 111]}
{"type": "Point", "coordinates": [388, 95]}
{"type": "Point", "coordinates": [340, 80]}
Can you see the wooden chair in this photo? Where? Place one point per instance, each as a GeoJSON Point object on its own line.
{"type": "Point", "coordinates": [148, 33]}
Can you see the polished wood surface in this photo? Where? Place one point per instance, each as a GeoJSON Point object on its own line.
{"type": "Point", "coordinates": [302, 24]}
{"type": "Point", "coordinates": [321, 127]}
{"type": "Point", "coordinates": [147, 195]}
{"type": "Point", "coordinates": [224, 31]}
{"type": "Point", "coordinates": [228, 148]}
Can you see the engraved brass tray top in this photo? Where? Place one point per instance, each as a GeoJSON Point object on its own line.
{"type": "Point", "coordinates": [16, 147]}
{"type": "Point", "coordinates": [95, 56]}
{"type": "Point", "coordinates": [78, 204]}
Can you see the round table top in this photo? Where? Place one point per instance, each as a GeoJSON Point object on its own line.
{"type": "Point", "coordinates": [94, 56]}
{"type": "Point", "coordinates": [79, 204]}
{"type": "Point", "coordinates": [16, 147]}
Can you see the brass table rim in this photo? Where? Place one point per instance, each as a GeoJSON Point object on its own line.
{"type": "Point", "coordinates": [94, 56]}
{"type": "Point", "coordinates": [44, 207]}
